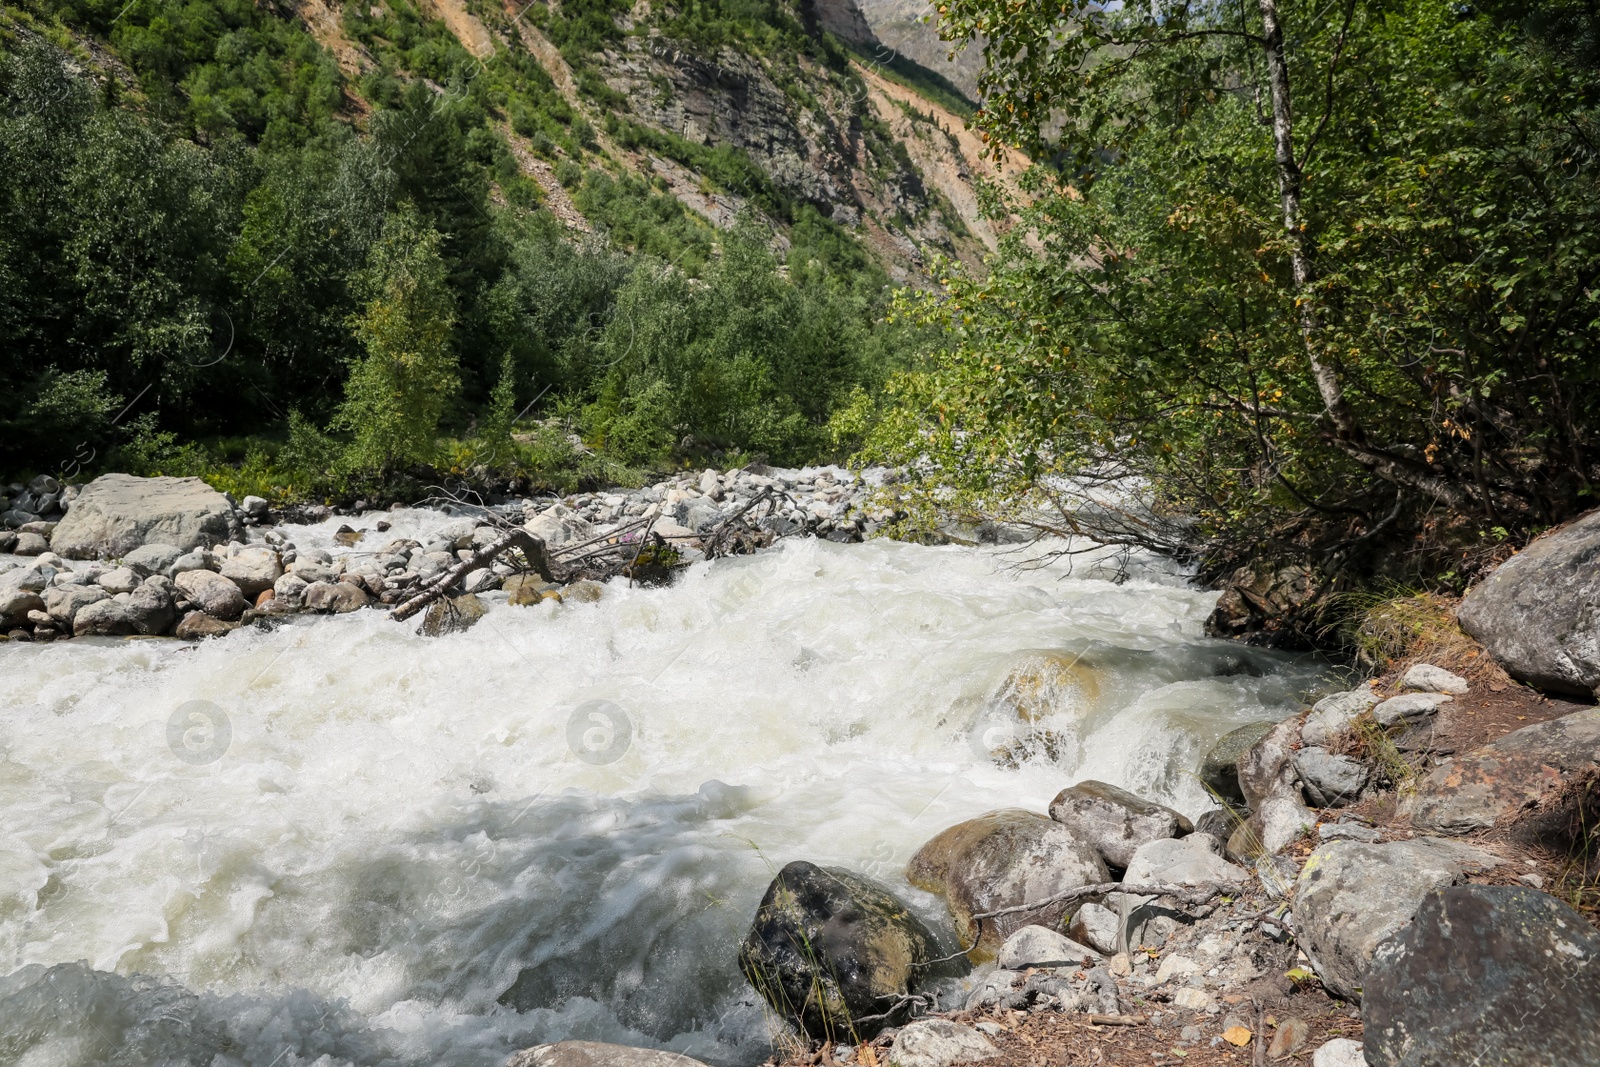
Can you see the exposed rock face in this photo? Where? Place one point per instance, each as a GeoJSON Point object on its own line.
{"type": "Point", "coordinates": [1538, 614]}
{"type": "Point", "coordinates": [1517, 771]}
{"type": "Point", "coordinates": [899, 25]}
{"type": "Point", "coordinates": [1220, 770]}
{"type": "Point", "coordinates": [1114, 820]}
{"type": "Point", "coordinates": [828, 948]}
{"type": "Point", "coordinates": [116, 513]}
{"type": "Point", "coordinates": [1487, 975]}
{"type": "Point", "coordinates": [598, 1054]}
{"type": "Point", "coordinates": [1003, 859]}
{"type": "Point", "coordinates": [1351, 896]}
{"type": "Point", "coordinates": [939, 1043]}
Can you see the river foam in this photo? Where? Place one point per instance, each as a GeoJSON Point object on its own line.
{"type": "Point", "coordinates": [364, 846]}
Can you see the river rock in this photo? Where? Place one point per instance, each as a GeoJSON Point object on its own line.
{"type": "Point", "coordinates": [1114, 820]}
{"type": "Point", "coordinates": [597, 1054]}
{"type": "Point", "coordinates": [146, 610]}
{"type": "Point", "coordinates": [1261, 597]}
{"type": "Point", "coordinates": [559, 525]}
{"type": "Point", "coordinates": [1000, 860]}
{"type": "Point", "coordinates": [16, 603]}
{"type": "Point", "coordinates": [1340, 1052]}
{"type": "Point", "coordinates": [1427, 678]}
{"type": "Point", "coordinates": [335, 597]}
{"type": "Point", "coordinates": [315, 567]}
{"type": "Point", "coordinates": [1486, 975]}
{"type": "Point", "coordinates": [63, 602]}
{"type": "Point", "coordinates": [1350, 896]}
{"type": "Point", "coordinates": [1036, 946]}
{"type": "Point", "coordinates": [1480, 788]}
{"type": "Point", "coordinates": [1270, 829]}
{"type": "Point", "coordinates": [290, 588]}
{"type": "Point", "coordinates": [1219, 771]}
{"type": "Point", "coordinates": [1409, 708]}
{"type": "Point", "coordinates": [1220, 823]}
{"type": "Point", "coordinates": [1332, 715]}
{"type": "Point", "coordinates": [212, 594]}
{"type": "Point", "coordinates": [252, 568]}
{"type": "Point", "coordinates": [1332, 780]}
{"type": "Point", "coordinates": [29, 543]}
{"type": "Point", "coordinates": [119, 580]}
{"type": "Point", "coordinates": [1191, 860]}
{"type": "Point", "coordinates": [153, 558]}
{"type": "Point", "coordinates": [116, 513]}
{"type": "Point", "coordinates": [1267, 770]}
{"type": "Point", "coordinates": [828, 947]}
{"type": "Point", "coordinates": [939, 1043]}
{"type": "Point", "coordinates": [199, 559]}
{"type": "Point", "coordinates": [1097, 926]}
{"type": "Point", "coordinates": [198, 624]}
{"type": "Point", "coordinates": [1538, 613]}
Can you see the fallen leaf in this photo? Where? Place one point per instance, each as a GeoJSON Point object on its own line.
{"type": "Point", "coordinates": [1237, 1035]}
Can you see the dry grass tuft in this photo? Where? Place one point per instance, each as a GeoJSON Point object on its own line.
{"type": "Point", "coordinates": [1396, 627]}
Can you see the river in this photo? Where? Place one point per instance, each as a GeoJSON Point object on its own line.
{"type": "Point", "coordinates": [339, 842]}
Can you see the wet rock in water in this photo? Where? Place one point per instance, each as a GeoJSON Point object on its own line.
{"type": "Point", "coordinates": [1003, 859]}
{"type": "Point", "coordinates": [1489, 975]}
{"type": "Point", "coordinates": [1219, 771]}
{"type": "Point", "coordinates": [1331, 780]}
{"type": "Point", "coordinates": [1351, 896]}
{"type": "Point", "coordinates": [151, 559]}
{"type": "Point", "coordinates": [531, 589]}
{"type": "Point", "coordinates": [1050, 683]}
{"type": "Point", "coordinates": [480, 581]}
{"type": "Point", "coordinates": [1536, 612]}
{"type": "Point", "coordinates": [584, 591]}
{"type": "Point", "coordinates": [1427, 678]}
{"type": "Point", "coordinates": [1340, 1052]}
{"type": "Point", "coordinates": [1332, 715]}
{"type": "Point", "coordinates": [212, 594]}
{"type": "Point", "coordinates": [1525, 769]}
{"type": "Point", "coordinates": [336, 597]}
{"type": "Point", "coordinates": [1097, 926]}
{"type": "Point", "coordinates": [835, 953]}
{"type": "Point", "coordinates": [316, 567]}
{"type": "Point", "coordinates": [198, 624]}
{"type": "Point", "coordinates": [1036, 946]}
{"type": "Point", "coordinates": [146, 610]}
{"type": "Point", "coordinates": [290, 589]}
{"type": "Point", "coordinates": [451, 615]}
{"type": "Point", "coordinates": [1270, 829]}
{"type": "Point", "coordinates": [1114, 820]}
{"type": "Point", "coordinates": [116, 513]}
{"type": "Point", "coordinates": [253, 569]}
{"type": "Point", "coordinates": [597, 1054]}
{"type": "Point", "coordinates": [1262, 598]}
{"type": "Point", "coordinates": [1267, 770]}
{"type": "Point", "coordinates": [939, 1043]}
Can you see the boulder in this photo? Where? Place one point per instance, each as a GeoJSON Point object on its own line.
{"type": "Point", "coordinates": [153, 558]}
{"type": "Point", "coordinates": [1037, 946]}
{"type": "Point", "coordinates": [1096, 926]}
{"type": "Point", "coordinates": [1270, 829]}
{"type": "Point", "coordinates": [290, 589]}
{"type": "Point", "coordinates": [212, 594]}
{"type": "Point", "coordinates": [1257, 598]}
{"type": "Point", "coordinates": [1332, 715]}
{"type": "Point", "coordinates": [828, 949]}
{"type": "Point", "coordinates": [1351, 896]}
{"type": "Point", "coordinates": [1409, 708]}
{"type": "Point", "coordinates": [597, 1054]}
{"type": "Point", "coordinates": [1267, 770]}
{"type": "Point", "coordinates": [200, 559]}
{"type": "Point", "coordinates": [1331, 780]}
{"type": "Point", "coordinates": [197, 624]}
{"type": "Point", "coordinates": [335, 597]}
{"type": "Point", "coordinates": [255, 507]}
{"type": "Point", "coordinates": [146, 610]}
{"type": "Point", "coordinates": [1191, 860]}
{"type": "Point", "coordinates": [1538, 613]}
{"type": "Point", "coordinates": [559, 525]}
{"type": "Point", "coordinates": [1426, 678]}
{"type": "Point", "coordinates": [1486, 975]}
{"type": "Point", "coordinates": [29, 543]}
{"type": "Point", "coordinates": [311, 569]}
{"type": "Point", "coordinates": [63, 602]}
{"type": "Point", "coordinates": [939, 1043]}
{"type": "Point", "coordinates": [1520, 770]}
{"type": "Point", "coordinates": [1219, 771]}
{"type": "Point", "coordinates": [1003, 859]}
{"type": "Point", "coordinates": [16, 603]}
{"type": "Point", "coordinates": [116, 513]}
{"type": "Point", "coordinates": [252, 568]}
{"type": "Point", "coordinates": [1220, 823]}
{"type": "Point", "coordinates": [1340, 1052]}
{"type": "Point", "coordinates": [998, 987]}
{"type": "Point", "coordinates": [119, 580]}
{"type": "Point", "coordinates": [1114, 820]}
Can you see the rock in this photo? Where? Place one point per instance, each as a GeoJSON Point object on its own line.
{"type": "Point", "coordinates": [480, 581]}
{"type": "Point", "coordinates": [15, 518]}
{"type": "Point", "coordinates": [1486, 975]}
{"type": "Point", "coordinates": [559, 525]}
{"type": "Point", "coordinates": [146, 610]}
{"type": "Point", "coordinates": [8, 540]}
{"type": "Point", "coordinates": [1409, 708]}
{"type": "Point", "coordinates": [1347, 831]}
{"type": "Point", "coordinates": [290, 589]}
{"type": "Point", "coordinates": [1267, 770]}
{"type": "Point", "coordinates": [120, 580]}
{"type": "Point", "coordinates": [1332, 715]}
{"type": "Point", "coordinates": [1191, 860]}
{"type": "Point", "coordinates": [313, 570]}
{"type": "Point", "coordinates": [1331, 780]}
{"type": "Point", "coordinates": [711, 485]}
{"type": "Point", "coordinates": [1350, 896]}
{"type": "Point", "coordinates": [16, 603]}
{"type": "Point", "coordinates": [1538, 613]}
{"type": "Point", "coordinates": [451, 615]}
{"type": "Point", "coordinates": [1340, 1052]}
{"type": "Point", "coordinates": [1036, 946]}
{"type": "Point", "coordinates": [584, 591]}
{"type": "Point", "coordinates": [669, 529]}
{"type": "Point", "coordinates": [1520, 770]}
{"type": "Point", "coordinates": [1175, 966]}
{"type": "Point", "coordinates": [200, 559]}
{"type": "Point", "coordinates": [1261, 598]}
{"type": "Point", "coordinates": [1430, 679]}
{"type": "Point", "coordinates": [198, 624]}
{"type": "Point", "coordinates": [1290, 1038]}
{"type": "Point", "coordinates": [828, 947]}
{"type": "Point", "coordinates": [41, 484]}
{"type": "Point", "coordinates": [252, 569]}
{"type": "Point", "coordinates": [63, 602]}
{"type": "Point", "coordinates": [336, 597]}
{"type": "Point", "coordinates": [153, 558]}
{"type": "Point", "coordinates": [597, 1054]}
{"type": "Point", "coordinates": [1219, 771]}
{"type": "Point", "coordinates": [531, 589]}
{"type": "Point", "coordinates": [212, 594]}
{"type": "Point", "coordinates": [1114, 820]}
{"type": "Point", "coordinates": [998, 987]}
{"type": "Point", "coordinates": [116, 513]}
{"type": "Point", "coordinates": [1096, 926]}
{"type": "Point", "coordinates": [1220, 823]}
{"type": "Point", "coordinates": [255, 507]}
{"type": "Point", "coordinates": [1192, 999]}
{"type": "Point", "coordinates": [1270, 829]}
{"type": "Point", "coordinates": [1000, 860]}
{"type": "Point", "coordinates": [939, 1043]}
{"type": "Point", "coordinates": [30, 544]}
{"type": "Point", "coordinates": [42, 528]}
{"type": "Point", "coordinates": [265, 597]}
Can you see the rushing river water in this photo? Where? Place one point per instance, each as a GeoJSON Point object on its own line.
{"type": "Point", "coordinates": [339, 842]}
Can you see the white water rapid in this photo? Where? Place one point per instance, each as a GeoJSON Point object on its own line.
{"type": "Point", "coordinates": [386, 849]}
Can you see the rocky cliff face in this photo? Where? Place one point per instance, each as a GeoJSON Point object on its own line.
{"type": "Point", "coordinates": [911, 28]}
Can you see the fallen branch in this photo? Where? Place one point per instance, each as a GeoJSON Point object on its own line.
{"type": "Point", "coordinates": [1118, 1020]}
{"type": "Point", "coordinates": [532, 549]}
{"type": "Point", "coordinates": [1193, 895]}
{"type": "Point", "coordinates": [767, 494]}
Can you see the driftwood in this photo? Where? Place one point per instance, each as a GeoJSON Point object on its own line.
{"type": "Point", "coordinates": [1118, 1020]}
{"type": "Point", "coordinates": [533, 551]}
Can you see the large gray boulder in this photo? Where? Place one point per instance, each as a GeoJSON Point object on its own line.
{"type": "Point", "coordinates": [597, 1054]}
{"type": "Point", "coordinates": [1219, 771]}
{"type": "Point", "coordinates": [1538, 614]}
{"type": "Point", "coordinates": [212, 594]}
{"type": "Point", "coordinates": [1114, 820]}
{"type": "Point", "coordinates": [939, 1043]}
{"type": "Point", "coordinates": [1351, 896]}
{"type": "Point", "coordinates": [117, 513]}
{"type": "Point", "coordinates": [1486, 975]}
{"type": "Point", "coordinates": [1268, 769]}
{"type": "Point", "coordinates": [837, 954]}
